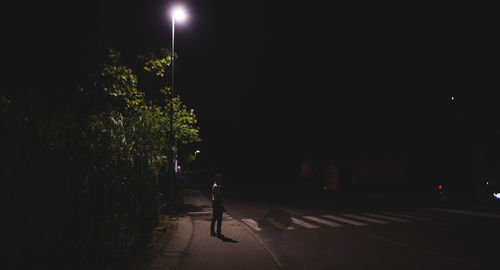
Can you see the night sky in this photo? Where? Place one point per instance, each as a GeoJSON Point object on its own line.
{"type": "Point", "coordinates": [271, 81]}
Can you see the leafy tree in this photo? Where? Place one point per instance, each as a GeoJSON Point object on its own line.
{"type": "Point", "coordinates": [92, 164]}
{"type": "Point", "coordinates": [129, 143]}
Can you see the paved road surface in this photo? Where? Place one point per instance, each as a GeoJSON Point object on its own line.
{"type": "Point", "coordinates": [369, 233]}
{"type": "Point", "coordinates": [371, 236]}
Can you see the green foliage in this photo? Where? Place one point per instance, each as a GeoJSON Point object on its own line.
{"type": "Point", "coordinates": [157, 63]}
{"type": "Point", "coordinates": [101, 156]}
{"type": "Point", "coordinates": [130, 140]}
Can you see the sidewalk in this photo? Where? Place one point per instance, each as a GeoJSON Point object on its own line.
{"type": "Point", "coordinates": [192, 247]}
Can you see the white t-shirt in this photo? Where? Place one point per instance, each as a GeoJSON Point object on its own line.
{"type": "Point", "coordinates": [215, 191]}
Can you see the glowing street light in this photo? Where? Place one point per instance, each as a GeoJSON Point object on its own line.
{"type": "Point", "coordinates": [179, 14]}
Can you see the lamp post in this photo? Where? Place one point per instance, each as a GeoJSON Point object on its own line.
{"type": "Point", "coordinates": [178, 13]}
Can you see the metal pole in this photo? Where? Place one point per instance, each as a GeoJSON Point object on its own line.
{"type": "Point", "coordinates": [172, 137]}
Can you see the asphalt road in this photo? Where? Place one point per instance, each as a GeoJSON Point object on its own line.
{"type": "Point", "coordinates": [370, 233]}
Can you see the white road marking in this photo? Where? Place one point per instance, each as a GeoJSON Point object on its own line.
{"type": "Point", "coordinates": [405, 216]}
{"type": "Point", "coordinates": [387, 217]}
{"type": "Point", "coordinates": [322, 221]}
{"type": "Point", "coordinates": [366, 219]}
{"type": "Point", "coordinates": [463, 212]}
{"type": "Point", "coordinates": [303, 223]}
{"type": "Point", "coordinates": [250, 222]}
{"type": "Point", "coordinates": [275, 258]}
{"type": "Point", "coordinates": [278, 224]}
{"type": "Point", "coordinates": [345, 220]}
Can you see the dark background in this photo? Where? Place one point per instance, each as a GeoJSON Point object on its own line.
{"type": "Point", "coordinates": [277, 83]}
{"type": "Point", "coordinates": [273, 85]}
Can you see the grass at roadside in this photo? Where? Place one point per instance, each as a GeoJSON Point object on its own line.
{"type": "Point", "coordinates": [159, 239]}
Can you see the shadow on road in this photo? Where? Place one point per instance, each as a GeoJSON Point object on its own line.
{"type": "Point", "coordinates": [276, 219]}
{"type": "Point", "coordinates": [227, 239]}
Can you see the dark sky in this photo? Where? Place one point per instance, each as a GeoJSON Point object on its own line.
{"type": "Point", "coordinates": [277, 80]}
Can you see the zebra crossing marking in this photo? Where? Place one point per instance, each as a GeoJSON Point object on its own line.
{"type": "Point", "coordinates": [345, 220]}
{"type": "Point", "coordinates": [387, 217]}
{"type": "Point", "coordinates": [303, 223]}
{"type": "Point", "coordinates": [380, 217]}
{"type": "Point", "coordinates": [250, 222]}
{"type": "Point", "coordinates": [322, 221]}
{"type": "Point", "coordinates": [366, 219]}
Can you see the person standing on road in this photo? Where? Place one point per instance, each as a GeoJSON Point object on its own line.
{"type": "Point", "coordinates": [217, 206]}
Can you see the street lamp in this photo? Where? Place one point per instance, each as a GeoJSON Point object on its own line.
{"type": "Point", "coordinates": [177, 13]}
{"type": "Point", "coordinates": [197, 152]}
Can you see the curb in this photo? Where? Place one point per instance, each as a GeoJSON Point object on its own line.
{"type": "Point", "coordinates": [275, 258]}
{"type": "Point", "coordinates": [175, 250]}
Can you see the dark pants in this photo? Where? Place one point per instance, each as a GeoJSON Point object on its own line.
{"type": "Point", "coordinates": [216, 216]}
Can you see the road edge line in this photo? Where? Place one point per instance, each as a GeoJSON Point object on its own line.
{"type": "Point", "coordinates": [275, 259]}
